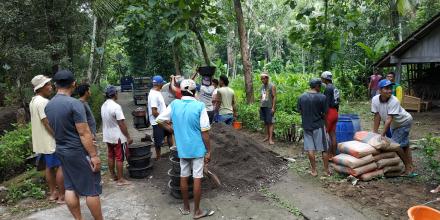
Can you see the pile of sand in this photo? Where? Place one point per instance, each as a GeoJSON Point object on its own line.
{"type": "Point", "coordinates": [241, 163]}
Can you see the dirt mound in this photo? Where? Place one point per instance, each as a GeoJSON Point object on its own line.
{"type": "Point", "coordinates": [241, 163]}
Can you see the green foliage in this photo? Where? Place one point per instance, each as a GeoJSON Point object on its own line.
{"type": "Point", "coordinates": [431, 152]}
{"type": "Point", "coordinates": [375, 52]}
{"type": "Point", "coordinates": [288, 122]}
{"type": "Point", "coordinates": [96, 102]}
{"type": "Point", "coordinates": [14, 148]}
{"type": "Point", "coordinates": [27, 189]}
{"type": "Point", "coordinates": [281, 203]}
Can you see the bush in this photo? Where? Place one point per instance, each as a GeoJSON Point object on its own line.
{"type": "Point", "coordinates": [96, 102]}
{"type": "Point", "coordinates": [27, 189]}
{"type": "Point", "coordinates": [14, 148]}
{"type": "Point", "coordinates": [431, 152]}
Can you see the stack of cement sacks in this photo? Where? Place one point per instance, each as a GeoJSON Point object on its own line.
{"type": "Point", "coordinates": [369, 156]}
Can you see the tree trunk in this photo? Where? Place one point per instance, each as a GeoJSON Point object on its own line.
{"type": "Point", "coordinates": [103, 42]}
{"type": "Point", "coordinates": [394, 18]}
{"type": "Point", "coordinates": [92, 49]}
{"type": "Point", "coordinates": [244, 46]}
{"type": "Point", "coordinates": [176, 58]}
{"type": "Point", "coordinates": [52, 26]}
{"type": "Point", "coordinates": [230, 52]}
{"type": "Point", "coordinates": [202, 45]}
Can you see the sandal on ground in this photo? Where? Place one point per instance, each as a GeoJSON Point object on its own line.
{"type": "Point", "coordinates": [205, 213]}
{"type": "Point", "coordinates": [184, 212]}
{"type": "Point", "coordinates": [410, 175]}
{"type": "Point", "coordinates": [52, 199]}
{"type": "Point", "coordinates": [314, 175]}
{"type": "Point", "coordinates": [123, 183]}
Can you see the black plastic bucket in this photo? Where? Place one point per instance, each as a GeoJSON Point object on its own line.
{"type": "Point", "coordinates": [140, 173]}
{"type": "Point", "coordinates": [175, 164]}
{"type": "Point", "coordinates": [140, 162]}
{"type": "Point", "coordinates": [139, 149]}
{"type": "Point", "coordinates": [176, 193]}
{"type": "Point", "coordinates": [175, 179]}
{"type": "Point", "coordinates": [173, 152]}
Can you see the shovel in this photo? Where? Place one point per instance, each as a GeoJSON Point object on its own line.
{"type": "Point", "coordinates": [214, 178]}
{"type": "Point", "coordinates": [432, 201]}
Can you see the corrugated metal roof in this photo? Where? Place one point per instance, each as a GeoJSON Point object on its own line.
{"type": "Point", "coordinates": [410, 41]}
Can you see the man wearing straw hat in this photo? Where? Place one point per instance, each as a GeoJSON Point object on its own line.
{"type": "Point", "coordinates": [267, 106]}
{"type": "Point", "coordinates": [43, 142]}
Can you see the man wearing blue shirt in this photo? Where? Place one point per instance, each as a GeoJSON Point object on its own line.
{"type": "Point", "coordinates": [190, 126]}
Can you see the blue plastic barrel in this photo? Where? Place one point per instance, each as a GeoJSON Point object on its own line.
{"type": "Point", "coordinates": [355, 119]}
{"type": "Point", "coordinates": [344, 129]}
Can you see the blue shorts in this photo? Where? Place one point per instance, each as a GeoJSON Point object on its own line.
{"type": "Point", "coordinates": [227, 119]}
{"type": "Point", "coordinates": [51, 160]}
{"type": "Point", "coordinates": [401, 135]}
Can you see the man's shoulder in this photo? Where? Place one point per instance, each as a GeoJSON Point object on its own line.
{"type": "Point", "coordinates": [393, 100]}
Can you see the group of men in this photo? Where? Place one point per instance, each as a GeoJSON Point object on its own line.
{"type": "Point", "coordinates": [320, 114]}
{"type": "Point", "coordinates": [64, 134]}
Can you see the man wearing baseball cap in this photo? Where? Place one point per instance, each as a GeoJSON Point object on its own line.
{"type": "Point", "coordinates": [313, 106]}
{"type": "Point", "coordinates": [387, 108]}
{"type": "Point", "coordinates": [331, 117]}
{"type": "Point", "coordinates": [115, 134]}
{"type": "Point", "coordinates": [43, 142]}
{"type": "Point", "coordinates": [74, 147]}
{"type": "Point", "coordinates": [156, 105]}
{"type": "Point", "coordinates": [191, 126]}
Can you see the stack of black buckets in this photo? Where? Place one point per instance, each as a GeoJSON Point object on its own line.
{"type": "Point", "coordinates": [174, 174]}
{"type": "Point", "coordinates": [139, 160]}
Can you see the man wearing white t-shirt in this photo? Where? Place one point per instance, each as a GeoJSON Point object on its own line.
{"type": "Point", "coordinates": [156, 105]}
{"type": "Point", "coordinates": [386, 108]}
{"type": "Point", "coordinates": [115, 134]}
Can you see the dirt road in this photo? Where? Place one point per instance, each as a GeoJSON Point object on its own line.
{"type": "Point", "coordinates": [146, 200]}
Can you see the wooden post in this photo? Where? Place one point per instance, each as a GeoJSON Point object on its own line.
{"type": "Point", "coordinates": [399, 71]}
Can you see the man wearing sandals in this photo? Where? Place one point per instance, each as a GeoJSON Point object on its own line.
{"type": "Point", "coordinates": [74, 147]}
{"type": "Point", "coordinates": [387, 108]}
{"type": "Point", "coordinates": [190, 126]}
{"type": "Point", "coordinates": [115, 134]}
{"type": "Point", "coordinates": [313, 106]}
{"type": "Point", "coordinates": [43, 142]}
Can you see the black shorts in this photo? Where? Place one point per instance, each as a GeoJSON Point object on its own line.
{"type": "Point", "coordinates": [159, 135]}
{"type": "Point", "coordinates": [78, 174]}
{"type": "Point", "coordinates": [266, 115]}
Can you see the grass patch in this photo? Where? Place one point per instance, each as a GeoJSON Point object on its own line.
{"type": "Point", "coordinates": [281, 203]}
{"type": "Point", "coordinates": [29, 184]}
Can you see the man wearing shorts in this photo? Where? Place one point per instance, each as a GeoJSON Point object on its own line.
{"type": "Point", "coordinates": [74, 147]}
{"type": "Point", "coordinates": [313, 106]}
{"type": "Point", "coordinates": [190, 125]}
{"type": "Point", "coordinates": [267, 106]}
{"type": "Point", "coordinates": [227, 111]}
{"type": "Point", "coordinates": [115, 134]}
{"type": "Point", "coordinates": [43, 142]}
{"type": "Point", "coordinates": [156, 105]}
{"type": "Point", "coordinates": [387, 108]}
{"type": "Point", "coordinates": [331, 118]}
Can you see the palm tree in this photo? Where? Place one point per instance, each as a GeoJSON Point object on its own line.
{"type": "Point", "coordinates": [397, 9]}
{"type": "Point", "coordinates": [100, 9]}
